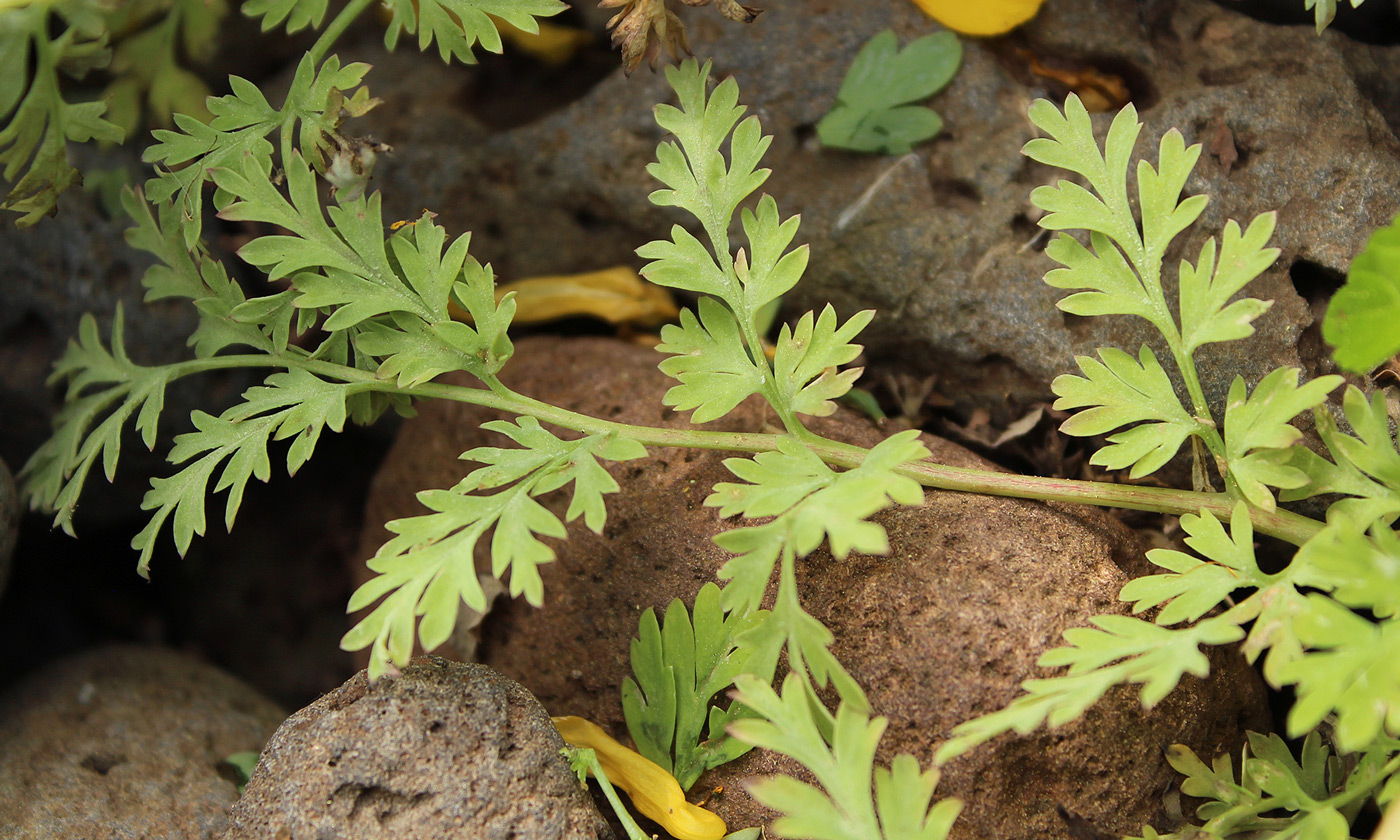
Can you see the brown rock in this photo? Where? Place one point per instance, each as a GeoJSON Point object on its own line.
{"type": "Point", "coordinates": [444, 750]}
{"type": "Point", "coordinates": [125, 743]}
{"type": "Point", "coordinates": [944, 629]}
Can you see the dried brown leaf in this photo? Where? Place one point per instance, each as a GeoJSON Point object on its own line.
{"type": "Point", "coordinates": [642, 27]}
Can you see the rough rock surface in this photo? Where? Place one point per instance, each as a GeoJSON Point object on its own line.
{"type": "Point", "coordinates": [941, 247]}
{"type": "Point", "coordinates": [444, 750]}
{"type": "Point", "coordinates": [9, 522]}
{"type": "Point", "coordinates": [125, 743]}
{"type": "Point", "coordinates": [944, 629]}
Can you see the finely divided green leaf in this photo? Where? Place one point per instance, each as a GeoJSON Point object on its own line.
{"type": "Point", "coordinates": [429, 565]}
{"type": "Point", "coordinates": [1118, 392]}
{"type": "Point", "coordinates": [1119, 649]}
{"type": "Point", "coordinates": [292, 403]}
{"type": "Point", "coordinates": [1258, 431]}
{"type": "Point", "coordinates": [711, 361]}
{"type": "Point", "coordinates": [807, 356]}
{"type": "Point", "coordinates": [1195, 586]}
{"type": "Point", "coordinates": [297, 14]}
{"type": "Point", "coordinates": [842, 760]}
{"type": "Point", "coordinates": [89, 426]}
{"type": "Point", "coordinates": [33, 143]}
{"type": "Point", "coordinates": [695, 173]}
{"type": "Point", "coordinates": [459, 25]}
{"type": "Point", "coordinates": [1206, 288]}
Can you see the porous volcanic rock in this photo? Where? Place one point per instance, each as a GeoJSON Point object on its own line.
{"type": "Point", "coordinates": [942, 243]}
{"type": "Point", "coordinates": [125, 743]}
{"type": "Point", "coordinates": [443, 750]}
{"type": "Point", "coordinates": [944, 629]}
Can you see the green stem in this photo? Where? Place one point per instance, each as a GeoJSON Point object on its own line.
{"type": "Point", "coordinates": [1282, 524]}
{"type": "Point", "coordinates": [590, 759]}
{"type": "Point", "coordinates": [337, 27]}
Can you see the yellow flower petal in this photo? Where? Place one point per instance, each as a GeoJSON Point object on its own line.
{"type": "Point", "coordinates": [981, 17]}
{"type": "Point", "coordinates": [654, 792]}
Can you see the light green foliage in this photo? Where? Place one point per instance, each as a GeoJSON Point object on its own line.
{"type": "Point", "coordinates": [1121, 650]}
{"type": "Point", "coordinates": [841, 757]}
{"type": "Point", "coordinates": [429, 566]}
{"type": "Point", "coordinates": [1361, 317]}
{"type": "Point", "coordinates": [1119, 392]}
{"type": "Point", "coordinates": [1258, 431]}
{"type": "Point", "coordinates": [1121, 274]}
{"type": "Point", "coordinates": [810, 503]}
{"type": "Point", "coordinates": [873, 111]}
{"type": "Point", "coordinates": [680, 668]}
{"type": "Point", "coordinates": [33, 143]}
{"type": "Point", "coordinates": [1324, 790]}
{"type": "Point", "coordinates": [459, 25]}
{"type": "Point", "coordinates": [718, 356]}
{"type": "Point", "coordinates": [1326, 623]}
{"type": "Point", "coordinates": [1325, 10]}
{"type": "Point", "coordinates": [295, 14]}
{"type": "Point", "coordinates": [235, 141]}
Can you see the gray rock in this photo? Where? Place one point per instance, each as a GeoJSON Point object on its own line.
{"type": "Point", "coordinates": [9, 522]}
{"type": "Point", "coordinates": [442, 751]}
{"type": "Point", "coordinates": [124, 743]}
{"type": "Point", "coordinates": [942, 630]}
{"type": "Point", "coordinates": [940, 249]}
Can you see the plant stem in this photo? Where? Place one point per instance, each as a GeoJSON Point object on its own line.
{"type": "Point", "coordinates": [337, 27]}
{"type": "Point", "coordinates": [1282, 524]}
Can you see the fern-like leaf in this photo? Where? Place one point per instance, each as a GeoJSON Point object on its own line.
{"type": "Point", "coordinates": [843, 762]}
{"type": "Point", "coordinates": [428, 568]}
{"type": "Point", "coordinates": [456, 26]}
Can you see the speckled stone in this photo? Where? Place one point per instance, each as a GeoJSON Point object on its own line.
{"type": "Point", "coordinates": [125, 743]}
{"type": "Point", "coordinates": [441, 751]}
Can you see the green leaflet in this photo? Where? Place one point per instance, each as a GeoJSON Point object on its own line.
{"type": "Point", "coordinates": [1118, 650]}
{"type": "Point", "coordinates": [236, 138]}
{"type": "Point", "coordinates": [842, 760]}
{"type": "Point", "coordinates": [1118, 392]}
{"type": "Point", "coordinates": [33, 143]}
{"type": "Point", "coordinates": [458, 25]}
{"type": "Point", "coordinates": [1365, 466]}
{"type": "Point", "coordinates": [428, 568]}
{"type": "Point", "coordinates": [1197, 586]}
{"type": "Point", "coordinates": [1120, 273]}
{"type": "Point", "coordinates": [1258, 431]}
{"type": "Point", "coordinates": [1319, 787]}
{"type": "Point", "coordinates": [719, 357]}
{"type": "Point", "coordinates": [89, 426]}
{"type": "Point", "coordinates": [291, 404]}
{"type": "Point", "coordinates": [679, 667]}
{"type": "Point", "coordinates": [873, 111]}
{"type": "Point", "coordinates": [710, 360]}
{"type": "Point", "coordinates": [1361, 317]}
{"type": "Point", "coordinates": [296, 14]}
{"type": "Point", "coordinates": [810, 503]}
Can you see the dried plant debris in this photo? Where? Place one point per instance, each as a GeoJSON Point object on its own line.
{"type": "Point", "coordinates": [642, 27]}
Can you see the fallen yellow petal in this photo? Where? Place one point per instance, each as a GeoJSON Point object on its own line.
{"type": "Point", "coordinates": [654, 792]}
{"type": "Point", "coordinates": [616, 295]}
{"type": "Point", "coordinates": [553, 44]}
{"type": "Point", "coordinates": [981, 17]}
